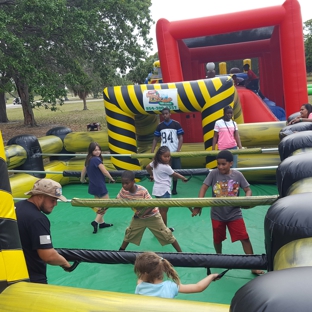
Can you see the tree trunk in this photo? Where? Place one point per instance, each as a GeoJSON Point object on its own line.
{"type": "Point", "coordinates": [22, 89]}
{"type": "Point", "coordinates": [3, 113]}
{"type": "Point", "coordinates": [85, 103]}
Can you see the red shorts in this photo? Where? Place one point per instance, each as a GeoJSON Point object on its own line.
{"type": "Point", "coordinates": [236, 228]}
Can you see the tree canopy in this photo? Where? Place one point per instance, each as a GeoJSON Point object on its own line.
{"type": "Point", "coordinates": [308, 44]}
{"type": "Point", "coordinates": [139, 73]}
{"type": "Point", "coordinates": [46, 45]}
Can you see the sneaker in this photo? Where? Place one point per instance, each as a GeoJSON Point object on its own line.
{"type": "Point", "coordinates": [171, 229]}
{"type": "Point", "coordinates": [174, 192]}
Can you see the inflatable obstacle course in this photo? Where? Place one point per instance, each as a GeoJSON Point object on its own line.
{"type": "Point", "coordinates": [288, 232]}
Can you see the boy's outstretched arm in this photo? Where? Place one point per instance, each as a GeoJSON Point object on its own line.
{"type": "Point", "coordinates": [200, 286]}
{"type": "Point", "coordinates": [247, 191]}
{"type": "Point", "coordinates": [201, 194]}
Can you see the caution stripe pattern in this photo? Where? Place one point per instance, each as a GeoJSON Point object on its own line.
{"type": "Point", "coordinates": [12, 261]}
{"type": "Point", "coordinates": [123, 103]}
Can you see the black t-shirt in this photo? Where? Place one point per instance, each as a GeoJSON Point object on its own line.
{"type": "Point", "coordinates": [34, 230]}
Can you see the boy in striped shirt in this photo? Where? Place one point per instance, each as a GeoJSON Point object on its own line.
{"type": "Point", "coordinates": [146, 217]}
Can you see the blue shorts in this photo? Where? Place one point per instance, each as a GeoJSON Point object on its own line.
{"type": "Point", "coordinates": [166, 195]}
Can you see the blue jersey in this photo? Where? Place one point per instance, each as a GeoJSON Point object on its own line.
{"type": "Point", "coordinates": [169, 133]}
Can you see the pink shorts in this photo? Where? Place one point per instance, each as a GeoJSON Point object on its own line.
{"type": "Point", "coordinates": [237, 230]}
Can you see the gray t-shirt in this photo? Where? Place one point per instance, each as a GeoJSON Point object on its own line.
{"type": "Point", "coordinates": [226, 186]}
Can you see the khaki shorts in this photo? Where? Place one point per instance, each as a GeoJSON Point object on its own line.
{"type": "Point", "coordinates": [134, 232]}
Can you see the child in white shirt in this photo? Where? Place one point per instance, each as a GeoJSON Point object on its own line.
{"type": "Point", "coordinates": [161, 173]}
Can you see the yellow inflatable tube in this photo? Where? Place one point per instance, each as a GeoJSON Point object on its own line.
{"type": "Point", "coordinates": [23, 182]}
{"type": "Point", "coordinates": [294, 254]}
{"type": "Point", "coordinates": [46, 298]}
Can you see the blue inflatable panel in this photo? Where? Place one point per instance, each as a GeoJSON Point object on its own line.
{"type": "Point", "coordinates": [279, 112]}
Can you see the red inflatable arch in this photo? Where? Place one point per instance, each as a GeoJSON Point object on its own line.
{"type": "Point", "coordinates": [273, 35]}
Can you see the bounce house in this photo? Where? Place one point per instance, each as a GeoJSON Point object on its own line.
{"type": "Point", "coordinates": [274, 35]}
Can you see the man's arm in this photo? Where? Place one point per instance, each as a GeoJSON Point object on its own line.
{"type": "Point", "coordinates": [52, 257]}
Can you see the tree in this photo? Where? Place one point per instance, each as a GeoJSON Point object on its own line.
{"type": "Point", "coordinates": [5, 86]}
{"type": "Point", "coordinates": [308, 44]}
{"type": "Point", "coordinates": [3, 114]}
{"type": "Point", "coordinates": [42, 43]}
{"type": "Point", "coordinates": [139, 73]}
{"type": "Point", "coordinates": [83, 89]}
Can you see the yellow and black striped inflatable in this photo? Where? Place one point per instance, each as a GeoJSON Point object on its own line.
{"type": "Point", "coordinates": [12, 262]}
{"type": "Point", "coordinates": [123, 103]}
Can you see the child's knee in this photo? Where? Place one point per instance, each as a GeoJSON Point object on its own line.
{"type": "Point", "coordinates": [245, 241]}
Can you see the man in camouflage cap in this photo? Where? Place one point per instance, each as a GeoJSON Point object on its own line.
{"type": "Point", "coordinates": [34, 229]}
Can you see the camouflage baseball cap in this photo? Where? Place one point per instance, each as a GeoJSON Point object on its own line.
{"type": "Point", "coordinates": [47, 187]}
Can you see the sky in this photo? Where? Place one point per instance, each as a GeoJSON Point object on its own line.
{"type": "Point", "coordinates": [174, 10]}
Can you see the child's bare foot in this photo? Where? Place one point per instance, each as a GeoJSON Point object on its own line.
{"type": "Point", "coordinates": [257, 272]}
